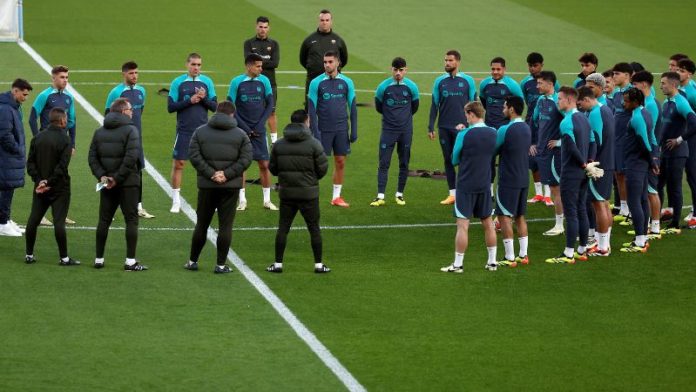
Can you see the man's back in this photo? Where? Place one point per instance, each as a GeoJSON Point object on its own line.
{"type": "Point", "coordinates": [49, 156]}
{"type": "Point", "coordinates": [115, 150]}
{"type": "Point", "coordinates": [473, 152]}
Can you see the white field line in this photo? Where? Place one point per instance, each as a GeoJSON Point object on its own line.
{"type": "Point", "coordinates": [350, 382]}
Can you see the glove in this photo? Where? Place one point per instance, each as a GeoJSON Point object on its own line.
{"type": "Point", "coordinates": [593, 170]}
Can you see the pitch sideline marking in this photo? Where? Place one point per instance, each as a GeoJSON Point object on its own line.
{"type": "Point", "coordinates": [300, 329]}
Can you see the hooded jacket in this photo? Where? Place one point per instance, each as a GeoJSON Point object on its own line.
{"type": "Point", "coordinates": [49, 156]}
{"type": "Point", "coordinates": [299, 162]}
{"type": "Point", "coordinates": [12, 149]}
{"type": "Point", "coordinates": [115, 150]}
{"type": "Point", "coordinates": [220, 145]}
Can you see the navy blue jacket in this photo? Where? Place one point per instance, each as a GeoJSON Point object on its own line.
{"type": "Point", "coordinates": [46, 100]}
{"type": "Point", "coordinates": [397, 103]}
{"type": "Point", "coordinates": [473, 151]}
{"type": "Point", "coordinates": [190, 116]}
{"type": "Point", "coordinates": [547, 119]}
{"type": "Point", "coordinates": [330, 100]}
{"type": "Point", "coordinates": [493, 93]}
{"type": "Point", "coordinates": [575, 144]}
{"type": "Point", "coordinates": [678, 119]}
{"type": "Point", "coordinates": [254, 101]}
{"type": "Point", "coordinates": [514, 139]}
{"type": "Point", "coordinates": [621, 117]}
{"type": "Point", "coordinates": [638, 151]}
{"type": "Point", "coordinates": [450, 94]}
{"type": "Point", "coordinates": [11, 143]}
{"type": "Point", "coordinates": [602, 124]}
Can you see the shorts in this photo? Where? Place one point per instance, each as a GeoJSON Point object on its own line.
{"type": "Point", "coordinates": [652, 182]}
{"type": "Point", "coordinates": [550, 167]}
{"type": "Point", "coordinates": [511, 201]}
{"type": "Point", "coordinates": [336, 142]}
{"type": "Point", "coordinates": [274, 89]}
{"type": "Point", "coordinates": [533, 164]}
{"type": "Point", "coordinates": [601, 188]}
{"type": "Point", "coordinates": [181, 146]}
{"type": "Point", "coordinates": [259, 147]}
{"type": "Point", "coordinates": [473, 205]}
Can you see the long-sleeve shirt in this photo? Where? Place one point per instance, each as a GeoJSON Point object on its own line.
{"type": "Point", "coordinates": [269, 50]}
{"type": "Point", "coordinates": [397, 102]}
{"type": "Point", "coordinates": [654, 133]}
{"type": "Point", "coordinates": [450, 94]}
{"type": "Point", "coordinates": [531, 96]}
{"type": "Point", "coordinates": [678, 120]}
{"type": "Point", "coordinates": [547, 119]}
{"type": "Point", "coordinates": [48, 99]}
{"type": "Point", "coordinates": [136, 96]}
{"type": "Point", "coordinates": [512, 144]}
{"type": "Point", "coordinates": [602, 124]}
{"type": "Point", "coordinates": [473, 151]}
{"type": "Point", "coordinates": [313, 49]}
{"type": "Point", "coordinates": [638, 149]}
{"type": "Point", "coordinates": [330, 101]}
{"type": "Point", "coordinates": [621, 117]}
{"type": "Point", "coordinates": [575, 144]}
{"type": "Point", "coordinates": [493, 93]}
{"type": "Point", "coordinates": [253, 98]}
{"type": "Point", "coordinates": [191, 116]}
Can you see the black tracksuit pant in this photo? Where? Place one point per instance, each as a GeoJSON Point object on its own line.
{"type": "Point", "coordinates": [59, 202]}
{"type": "Point", "coordinates": [225, 201]}
{"type": "Point", "coordinates": [310, 212]}
{"type": "Point", "coordinates": [109, 201]}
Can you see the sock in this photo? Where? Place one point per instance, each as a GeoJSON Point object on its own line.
{"type": "Point", "coordinates": [492, 250]}
{"type": "Point", "coordinates": [32, 256]}
{"type": "Point", "coordinates": [130, 261]}
{"type": "Point", "coordinates": [596, 236]}
{"type": "Point", "coordinates": [568, 252]}
{"type": "Point", "coordinates": [624, 208]}
{"type": "Point", "coordinates": [274, 137]}
{"type": "Point", "coordinates": [380, 196]}
{"type": "Point", "coordinates": [277, 264]}
{"type": "Point", "coordinates": [669, 209]}
{"type": "Point", "coordinates": [591, 233]}
{"type": "Point", "coordinates": [399, 194]}
{"type": "Point", "coordinates": [538, 189]}
{"type": "Point", "coordinates": [99, 260]}
{"type": "Point", "coordinates": [509, 245]}
{"type": "Point", "coordinates": [655, 226]}
{"type": "Point", "coordinates": [175, 195]}
{"type": "Point", "coordinates": [266, 195]}
{"type": "Point", "coordinates": [492, 191]}
{"type": "Point", "coordinates": [61, 259]}
{"type": "Point", "coordinates": [559, 220]}
{"type": "Point", "coordinates": [452, 192]}
{"type": "Point", "coordinates": [547, 191]}
{"type": "Point", "coordinates": [603, 241]}
{"type": "Point", "coordinates": [640, 240]}
{"type": "Point", "coordinates": [242, 194]}
{"type": "Point", "coordinates": [458, 259]}
{"type": "Point", "coordinates": [337, 191]}
{"type": "Point", "coordinates": [318, 265]}
{"type": "Point", "coordinates": [524, 241]}
{"type": "Point", "coordinates": [140, 206]}
{"type": "Point", "coordinates": [582, 249]}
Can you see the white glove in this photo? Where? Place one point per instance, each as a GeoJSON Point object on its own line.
{"type": "Point", "coordinates": [594, 171]}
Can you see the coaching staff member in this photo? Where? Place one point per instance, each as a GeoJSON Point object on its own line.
{"type": "Point", "coordinates": [113, 158]}
{"type": "Point", "coordinates": [299, 162]}
{"type": "Point", "coordinates": [317, 44]}
{"type": "Point", "coordinates": [220, 152]}
{"type": "Point", "coordinates": [47, 165]}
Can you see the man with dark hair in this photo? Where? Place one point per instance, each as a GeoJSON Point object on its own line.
{"type": "Point", "coordinates": [678, 125]}
{"type": "Point", "coordinates": [512, 145]}
{"type": "Point", "coordinates": [252, 94]}
{"type": "Point", "coordinates": [299, 162]}
{"type": "Point", "coordinates": [493, 91]}
{"type": "Point", "coordinates": [220, 152]}
{"type": "Point", "coordinates": [191, 96]}
{"type": "Point", "coordinates": [135, 93]}
{"type": "Point", "coordinates": [451, 91]}
{"type": "Point", "coordinates": [474, 147]}
{"type": "Point", "coordinates": [331, 98]}
{"type": "Point", "coordinates": [12, 149]}
{"type": "Point", "coordinates": [269, 50]}
{"type": "Point", "coordinates": [609, 87]}
{"type": "Point", "coordinates": [535, 64]}
{"type": "Point", "coordinates": [588, 65]}
{"type": "Point", "coordinates": [622, 79]}
{"type": "Point", "coordinates": [47, 165]}
{"type": "Point", "coordinates": [575, 146]}
{"type": "Point", "coordinates": [317, 44]}
{"type": "Point", "coordinates": [686, 69]}
{"type": "Point", "coordinates": [547, 118]}
{"type": "Point", "coordinates": [396, 99]}
{"type": "Point", "coordinates": [601, 121]}
{"type": "Point", "coordinates": [674, 61]}
{"type": "Point", "coordinates": [113, 159]}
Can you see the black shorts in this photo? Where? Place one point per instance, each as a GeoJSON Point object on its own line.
{"type": "Point", "coordinates": [259, 147]}
{"type": "Point", "coordinates": [181, 146]}
{"type": "Point", "coordinates": [652, 182]}
{"type": "Point", "coordinates": [511, 201]}
{"type": "Point", "coordinates": [601, 188]}
{"type": "Point", "coordinates": [473, 205]}
{"type": "Point", "coordinates": [550, 168]}
{"type": "Point", "coordinates": [336, 142]}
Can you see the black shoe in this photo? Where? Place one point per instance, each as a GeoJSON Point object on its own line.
{"type": "Point", "coordinates": [273, 268]}
{"type": "Point", "coordinates": [322, 270]}
{"type": "Point", "coordinates": [135, 267]}
{"type": "Point", "coordinates": [29, 260]}
{"type": "Point", "coordinates": [222, 269]}
{"type": "Point", "coordinates": [70, 261]}
{"type": "Point", "coordinates": [98, 265]}
{"type": "Point", "coordinates": [191, 266]}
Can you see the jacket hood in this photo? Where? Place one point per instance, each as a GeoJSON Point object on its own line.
{"type": "Point", "coordinates": [222, 121]}
{"type": "Point", "coordinates": [7, 99]}
{"type": "Point", "coordinates": [296, 132]}
{"type": "Point", "coordinates": [115, 120]}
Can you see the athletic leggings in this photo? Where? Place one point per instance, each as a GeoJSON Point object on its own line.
{"type": "Point", "coordinates": [637, 198]}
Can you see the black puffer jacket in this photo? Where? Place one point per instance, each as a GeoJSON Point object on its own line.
{"type": "Point", "coordinates": [299, 162]}
{"type": "Point", "coordinates": [115, 150]}
{"type": "Point", "coordinates": [220, 145]}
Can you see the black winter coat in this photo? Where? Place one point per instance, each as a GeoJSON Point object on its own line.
{"type": "Point", "coordinates": [115, 150]}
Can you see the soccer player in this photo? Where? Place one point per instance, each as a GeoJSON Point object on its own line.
{"type": "Point", "coordinates": [588, 65]}
{"type": "Point", "coordinates": [317, 44]}
{"type": "Point", "coordinates": [601, 121]}
{"type": "Point", "coordinates": [493, 91]}
{"type": "Point", "coordinates": [622, 79]}
{"type": "Point", "coordinates": [547, 119]}
{"type": "Point", "coordinates": [596, 82]}
{"type": "Point", "coordinates": [643, 81]}
{"type": "Point", "coordinates": [113, 159]}
{"type": "Point", "coordinates": [609, 88]}
{"type": "Point", "coordinates": [331, 99]}
{"type": "Point", "coordinates": [473, 149]}
{"type": "Point", "coordinates": [451, 92]}
{"type": "Point", "coordinates": [512, 146]}
{"type": "Point", "coordinates": [269, 50]}
{"type": "Point", "coordinates": [397, 101]}
{"type": "Point", "coordinates": [191, 95]}
{"type": "Point", "coordinates": [678, 125]}
{"type": "Point", "coordinates": [135, 94]}
{"type": "Point", "coordinates": [575, 145]}
{"type": "Point", "coordinates": [47, 165]}
{"type": "Point", "coordinates": [252, 94]}
{"type": "Point", "coordinates": [535, 64]}
{"type": "Point", "coordinates": [674, 59]}
{"type": "Point", "coordinates": [638, 160]}
{"type": "Point", "coordinates": [686, 69]}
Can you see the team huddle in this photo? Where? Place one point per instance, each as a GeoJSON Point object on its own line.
{"type": "Point", "coordinates": [605, 135]}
